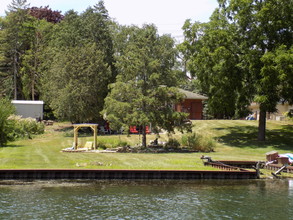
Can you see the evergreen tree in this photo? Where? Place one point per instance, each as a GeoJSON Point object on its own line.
{"type": "Point", "coordinates": [6, 109]}
{"type": "Point", "coordinates": [79, 65]}
{"type": "Point", "coordinates": [33, 58]}
{"type": "Point", "coordinates": [144, 92]}
{"type": "Point", "coordinates": [76, 82]}
{"type": "Point", "coordinates": [15, 35]}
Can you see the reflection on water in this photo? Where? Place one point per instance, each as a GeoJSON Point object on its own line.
{"type": "Point", "coordinates": [290, 187]}
{"type": "Point", "coordinates": [201, 199]}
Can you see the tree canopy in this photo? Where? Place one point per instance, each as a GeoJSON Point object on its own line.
{"type": "Point", "coordinates": [144, 92]}
{"type": "Point", "coordinates": [79, 65]}
{"type": "Point", "coordinates": [237, 56]}
{"type": "Point", "coordinates": [46, 13]}
{"type": "Point", "coordinates": [83, 63]}
{"type": "Point", "coordinates": [15, 35]}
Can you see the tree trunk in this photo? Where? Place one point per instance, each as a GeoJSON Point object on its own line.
{"type": "Point", "coordinates": [33, 78]}
{"type": "Point", "coordinates": [33, 91]}
{"type": "Point", "coordinates": [15, 76]}
{"type": "Point", "coordinates": [144, 136]}
{"type": "Point", "coordinates": [262, 126]}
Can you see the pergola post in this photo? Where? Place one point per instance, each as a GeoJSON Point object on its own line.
{"type": "Point", "coordinates": [95, 136]}
{"type": "Point", "coordinates": [75, 137]}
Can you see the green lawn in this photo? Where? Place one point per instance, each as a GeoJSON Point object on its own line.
{"type": "Point", "coordinates": [236, 141]}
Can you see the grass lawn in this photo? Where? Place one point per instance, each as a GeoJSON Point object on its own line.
{"type": "Point", "coordinates": [236, 141]}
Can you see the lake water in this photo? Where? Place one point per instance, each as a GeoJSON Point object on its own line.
{"type": "Point", "coordinates": [200, 199]}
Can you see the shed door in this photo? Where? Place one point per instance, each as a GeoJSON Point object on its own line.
{"type": "Point", "coordinates": [196, 110]}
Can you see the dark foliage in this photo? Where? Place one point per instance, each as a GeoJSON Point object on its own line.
{"type": "Point", "coordinates": [46, 13]}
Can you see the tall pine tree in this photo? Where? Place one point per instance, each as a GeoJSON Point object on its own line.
{"type": "Point", "coordinates": [144, 92]}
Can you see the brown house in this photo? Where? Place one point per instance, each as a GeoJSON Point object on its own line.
{"type": "Point", "coordinates": [193, 104]}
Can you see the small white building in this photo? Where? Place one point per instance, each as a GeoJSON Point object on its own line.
{"type": "Point", "coordinates": [29, 109]}
{"type": "Point", "coordinates": [278, 115]}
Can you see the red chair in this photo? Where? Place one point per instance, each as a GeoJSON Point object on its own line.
{"type": "Point", "coordinates": [132, 130]}
{"type": "Point", "coordinates": [147, 130]}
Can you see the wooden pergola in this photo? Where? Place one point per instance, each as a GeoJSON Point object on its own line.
{"type": "Point", "coordinates": [76, 127]}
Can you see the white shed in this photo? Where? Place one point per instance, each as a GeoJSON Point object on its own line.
{"type": "Point", "coordinates": [32, 109]}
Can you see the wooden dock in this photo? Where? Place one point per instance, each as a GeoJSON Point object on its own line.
{"type": "Point", "coordinates": [31, 174]}
{"type": "Point", "coordinates": [232, 164]}
{"type": "Point", "coordinates": [275, 167]}
{"type": "Point", "coordinates": [240, 163]}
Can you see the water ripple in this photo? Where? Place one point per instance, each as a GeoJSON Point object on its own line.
{"type": "Point", "coordinates": [256, 199]}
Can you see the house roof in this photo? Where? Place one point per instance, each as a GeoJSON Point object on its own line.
{"type": "Point", "coordinates": [192, 95]}
{"type": "Point", "coordinates": [29, 102]}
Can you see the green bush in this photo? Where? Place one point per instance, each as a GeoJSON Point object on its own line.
{"type": "Point", "coordinates": [101, 145]}
{"type": "Point", "coordinates": [289, 115]}
{"type": "Point", "coordinates": [190, 140]}
{"type": "Point", "coordinates": [6, 126]}
{"type": "Point", "coordinates": [122, 144]}
{"type": "Point", "coordinates": [110, 143]}
{"type": "Point", "coordinates": [207, 145]}
{"type": "Point", "coordinates": [172, 143]}
{"type": "Point", "coordinates": [68, 133]}
{"type": "Point", "coordinates": [24, 127]}
{"type": "Point", "coordinates": [198, 142]}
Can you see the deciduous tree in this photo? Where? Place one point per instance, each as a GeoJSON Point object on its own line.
{"type": "Point", "coordinates": [47, 14]}
{"type": "Point", "coordinates": [213, 58]}
{"type": "Point", "coordinates": [236, 56]}
{"type": "Point", "coordinates": [263, 27]}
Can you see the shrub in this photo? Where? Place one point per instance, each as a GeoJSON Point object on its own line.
{"type": "Point", "coordinates": [207, 145]}
{"type": "Point", "coordinates": [24, 127]}
{"type": "Point", "coordinates": [190, 140]}
{"type": "Point", "coordinates": [68, 133]}
{"type": "Point", "coordinates": [101, 145]}
{"type": "Point", "coordinates": [198, 142]}
{"type": "Point", "coordinates": [289, 115]}
{"type": "Point", "coordinates": [6, 126]}
{"type": "Point", "coordinates": [172, 143]}
{"type": "Point", "coordinates": [108, 143]}
{"type": "Point", "coordinates": [122, 144]}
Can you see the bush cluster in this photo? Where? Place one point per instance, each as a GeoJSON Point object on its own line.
{"type": "Point", "coordinates": [172, 143]}
{"type": "Point", "coordinates": [24, 127]}
{"type": "Point", "coordinates": [6, 126]}
{"type": "Point", "coordinates": [198, 142]}
{"type": "Point", "coordinates": [103, 144]}
{"type": "Point", "coordinates": [289, 115]}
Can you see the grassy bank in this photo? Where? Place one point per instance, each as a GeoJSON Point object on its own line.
{"type": "Point", "coordinates": [236, 141]}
